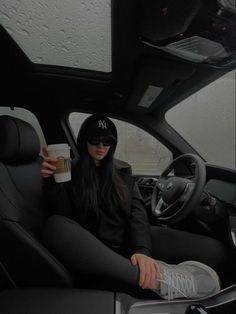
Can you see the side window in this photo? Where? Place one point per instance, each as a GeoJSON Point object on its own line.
{"type": "Point", "coordinates": [27, 116]}
{"type": "Point", "coordinates": [143, 152]}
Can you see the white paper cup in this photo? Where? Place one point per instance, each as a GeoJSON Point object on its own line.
{"type": "Point", "coordinates": [62, 153]}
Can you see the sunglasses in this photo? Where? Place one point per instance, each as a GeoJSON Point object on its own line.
{"type": "Point", "coordinates": [105, 142]}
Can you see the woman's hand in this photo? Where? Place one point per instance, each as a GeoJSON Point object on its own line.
{"type": "Point", "coordinates": [149, 270]}
{"type": "Point", "coordinates": [48, 165]}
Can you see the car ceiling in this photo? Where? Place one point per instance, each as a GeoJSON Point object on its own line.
{"type": "Point", "coordinates": [138, 62]}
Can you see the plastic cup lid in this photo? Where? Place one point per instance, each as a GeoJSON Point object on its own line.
{"type": "Point", "coordinates": [58, 146]}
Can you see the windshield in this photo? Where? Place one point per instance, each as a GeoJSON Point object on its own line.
{"type": "Point", "coordinates": [207, 121]}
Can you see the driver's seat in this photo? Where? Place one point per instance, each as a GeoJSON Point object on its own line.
{"type": "Point", "coordinates": [22, 209]}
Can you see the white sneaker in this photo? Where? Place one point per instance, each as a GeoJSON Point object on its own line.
{"type": "Point", "coordinates": [189, 280]}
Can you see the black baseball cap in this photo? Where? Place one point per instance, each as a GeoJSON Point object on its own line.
{"type": "Point", "coordinates": [96, 127]}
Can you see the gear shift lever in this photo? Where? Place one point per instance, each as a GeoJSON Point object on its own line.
{"type": "Point", "coordinates": [196, 309]}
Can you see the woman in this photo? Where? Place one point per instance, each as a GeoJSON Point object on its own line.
{"type": "Point", "coordinates": [102, 227]}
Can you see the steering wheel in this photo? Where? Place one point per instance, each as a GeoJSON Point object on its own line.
{"type": "Point", "coordinates": [173, 197]}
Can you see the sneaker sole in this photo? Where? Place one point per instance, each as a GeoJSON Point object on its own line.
{"type": "Point", "coordinates": [206, 268]}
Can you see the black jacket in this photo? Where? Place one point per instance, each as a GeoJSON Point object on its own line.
{"type": "Point", "coordinates": [125, 230]}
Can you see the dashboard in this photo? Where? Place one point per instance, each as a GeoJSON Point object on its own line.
{"type": "Point", "coordinates": [222, 190]}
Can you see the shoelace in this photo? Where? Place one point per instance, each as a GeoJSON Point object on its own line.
{"type": "Point", "coordinates": [179, 283]}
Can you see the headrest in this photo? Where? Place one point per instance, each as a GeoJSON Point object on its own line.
{"type": "Point", "coordinates": [19, 143]}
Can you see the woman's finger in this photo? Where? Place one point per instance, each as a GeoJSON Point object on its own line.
{"type": "Point", "coordinates": [51, 159]}
{"type": "Point", "coordinates": [46, 173]}
{"type": "Point", "coordinates": [147, 276]}
{"type": "Point", "coordinates": [142, 273]}
{"type": "Point", "coordinates": [45, 151]}
{"type": "Point", "coordinates": [46, 165]}
{"type": "Point", "coordinates": [157, 270]}
{"type": "Point", "coordinates": [153, 279]}
{"type": "Point", "coordinates": [133, 260]}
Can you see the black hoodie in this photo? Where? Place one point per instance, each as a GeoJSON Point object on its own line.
{"type": "Point", "coordinates": [127, 231]}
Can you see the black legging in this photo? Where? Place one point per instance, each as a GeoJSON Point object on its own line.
{"type": "Point", "coordinates": [175, 246]}
{"type": "Point", "coordinates": [84, 254]}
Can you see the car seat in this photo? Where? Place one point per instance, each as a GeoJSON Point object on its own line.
{"type": "Point", "coordinates": [22, 209]}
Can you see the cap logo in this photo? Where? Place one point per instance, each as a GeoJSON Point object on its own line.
{"type": "Point", "coordinates": [102, 124]}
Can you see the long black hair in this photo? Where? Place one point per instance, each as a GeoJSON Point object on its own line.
{"type": "Point", "coordinates": [97, 185]}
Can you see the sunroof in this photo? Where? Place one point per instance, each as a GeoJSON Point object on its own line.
{"type": "Point", "coordinates": [66, 33]}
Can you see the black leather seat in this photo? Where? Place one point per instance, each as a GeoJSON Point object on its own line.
{"type": "Point", "coordinates": [24, 261]}
{"type": "Point", "coordinates": [22, 209]}
{"type": "Point", "coordinates": [56, 301]}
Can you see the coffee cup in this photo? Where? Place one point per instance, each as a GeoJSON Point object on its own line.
{"type": "Point", "coordinates": [63, 165]}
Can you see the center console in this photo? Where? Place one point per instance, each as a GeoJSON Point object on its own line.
{"type": "Point", "coordinates": [223, 302]}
